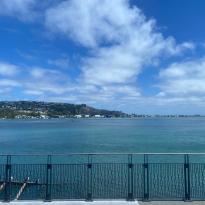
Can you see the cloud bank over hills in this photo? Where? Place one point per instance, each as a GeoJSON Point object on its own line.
{"type": "Point", "coordinates": [115, 43]}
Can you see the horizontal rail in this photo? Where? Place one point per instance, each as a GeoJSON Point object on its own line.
{"type": "Point", "coordinates": [93, 154]}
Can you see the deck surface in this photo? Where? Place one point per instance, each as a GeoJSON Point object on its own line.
{"type": "Point", "coordinates": [102, 203]}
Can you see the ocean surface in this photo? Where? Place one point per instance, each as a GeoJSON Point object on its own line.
{"type": "Point", "coordinates": [108, 177]}
{"type": "Point", "coordinates": [102, 135]}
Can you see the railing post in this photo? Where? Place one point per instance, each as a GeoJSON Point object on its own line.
{"type": "Point", "coordinates": [48, 178]}
{"type": "Point", "coordinates": [130, 196]}
{"type": "Point", "coordinates": [187, 178]}
{"type": "Point", "coordinates": [146, 178]}
{"type": "Point", "coordinates": [7, 196]}
{"type": "Point", "coordinates": [89, 178]}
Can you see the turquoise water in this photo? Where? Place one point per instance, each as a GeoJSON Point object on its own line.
{"type": "Point", "coordinates": [109, 180]}
{"type": "Point", "coordinates": [70, 174]}
{"type": "Point", "coordinates": [102, 135]}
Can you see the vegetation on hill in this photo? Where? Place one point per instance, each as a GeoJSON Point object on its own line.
{"type": "Point", "coordinates": [33, 109]}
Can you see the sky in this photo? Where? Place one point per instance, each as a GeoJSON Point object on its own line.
{"type": "Point", "coordinates": [137, 56]}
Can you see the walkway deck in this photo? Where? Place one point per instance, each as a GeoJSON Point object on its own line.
{"type": "Point", "coordinates": [102, 203]}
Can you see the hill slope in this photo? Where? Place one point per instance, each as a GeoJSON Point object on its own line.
{"type": "Point", "coordinates": [31, 109]}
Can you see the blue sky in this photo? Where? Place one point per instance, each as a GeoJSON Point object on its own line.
{"type": "Point", "coordinates": [141, 56]}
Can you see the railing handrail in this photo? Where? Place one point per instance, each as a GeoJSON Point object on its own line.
{"type": "Point", "coordinates": [106, 153]}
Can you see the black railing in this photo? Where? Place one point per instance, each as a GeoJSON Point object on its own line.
{"type": "Point", "coordinates": [103, 176]}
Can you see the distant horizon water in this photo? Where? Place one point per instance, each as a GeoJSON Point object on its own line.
{"type": "Point", "coordinates": [102, 136]}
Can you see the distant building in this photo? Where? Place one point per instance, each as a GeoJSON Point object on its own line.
{"type": "Point", "coordinates": [87, 116]}
{"type": "Point", "coordinates": [78, 116]}
{"type": "Point", "coordinates": [98, 116]}
{"type": "Point", "coordinates": [44, 116]}
{"type": "Point", "coordinates": [18, 116]}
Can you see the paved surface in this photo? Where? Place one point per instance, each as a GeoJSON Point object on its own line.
{"type": "Point", "coordinates": [103, 203]}
{"type": "Point", "coordinates": [172, 203]}
{"type": "Point", "coordinates": [74, 203]}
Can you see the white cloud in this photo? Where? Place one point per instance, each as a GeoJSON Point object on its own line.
{"type": "Point", "coordinates": [49, 84]}
{"type": "Point", "coordinates": [9, 83]}
{"type": "Point", "coordinates": [7, 69]}
{"type": "Point", "coordinates": [184, 78]}
{"type": "Point", "coordinates": [37, 72]}
{"type": "Point", "coordinates": [33, 92]}
{"type": "Point", "coordinates": [45, 81]}
{"type": "Point", "coordinates": [21, 9]}
{"type": "Point", "coordinates": [60, 62]}
{"type": "Point", "coordinates": [121, 40]}
{"type": "Point", "coordinates": [35, 81]}
{"type": "Point", "coordinates": [89, 22]}
{"type": "Point", "coordinates": [45, 87]}
{"type": "Point", "coordinates": [5, 90]}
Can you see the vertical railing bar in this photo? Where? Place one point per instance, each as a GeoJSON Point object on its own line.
{"type": "Point", "coordinates": [128, 197]}
{"type": "Point", "coordinates": [48, 178]}
{"type": "Point", "coordinates": [130, 178]}
{"type": "Point", "coordinates": [50, 188]}
{"type": "Point", "coordinates": [7, 192]}
{"type": "Point", "coordinates": [146, 178]}
{"type": "Point", "coordinates": [89, 178]}
{"type": "Point", "coordinates": [10, 178]}
{"type": "Point", "coordinates": [187, 177]}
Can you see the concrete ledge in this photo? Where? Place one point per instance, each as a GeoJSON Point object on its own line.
{"type": "Point", "coordinates": [103, 203]}
{"type": "Point", "coordinates": [70, 203]}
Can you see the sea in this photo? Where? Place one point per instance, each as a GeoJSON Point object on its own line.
{"type": "Point", "coordinates": [105, 135]}
{"type": "Point", "coordinates": [102, 135]}
{"type": "Point", "coordinates": [33, 144]}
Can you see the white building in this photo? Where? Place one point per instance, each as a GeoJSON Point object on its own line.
{"type": "Point", "coordinates": [44, 116]}
{"type": "Point", "coordinates": [97, 116]}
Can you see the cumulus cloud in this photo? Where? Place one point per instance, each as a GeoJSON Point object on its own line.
{"type": "Point", "coordinates": [44, 81]}
{"type": "Point", "coordinates": [8, 73]}
{"type": "Point", "coordinates": [119, 42]}
{"type": "Point", "coordinates": [184, 78]}
{"type": "Point", "coordinates": [60, 62]}
{"type": "Point", "coordinates": [121, 39]}
{"type": "Point", "coordinates": [21, 9]}
{"type": "Point", "coordinates": [7, 69]}
{"type": "Point", "coordinates": [34, 81]}
{"type": "Point", "coordinates": [9, 83]}
{"type": "Point", "coordinates": [37, 72]}
{"type": "Point", "coordinates": [91, 22]}
{"type": "Point", "coordinates": [33, 92]}
{"type": "Point", "coordinates": [50, 84]}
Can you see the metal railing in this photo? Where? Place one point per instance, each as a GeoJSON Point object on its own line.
{"type": "Point", "coordinates": [150, 176]}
